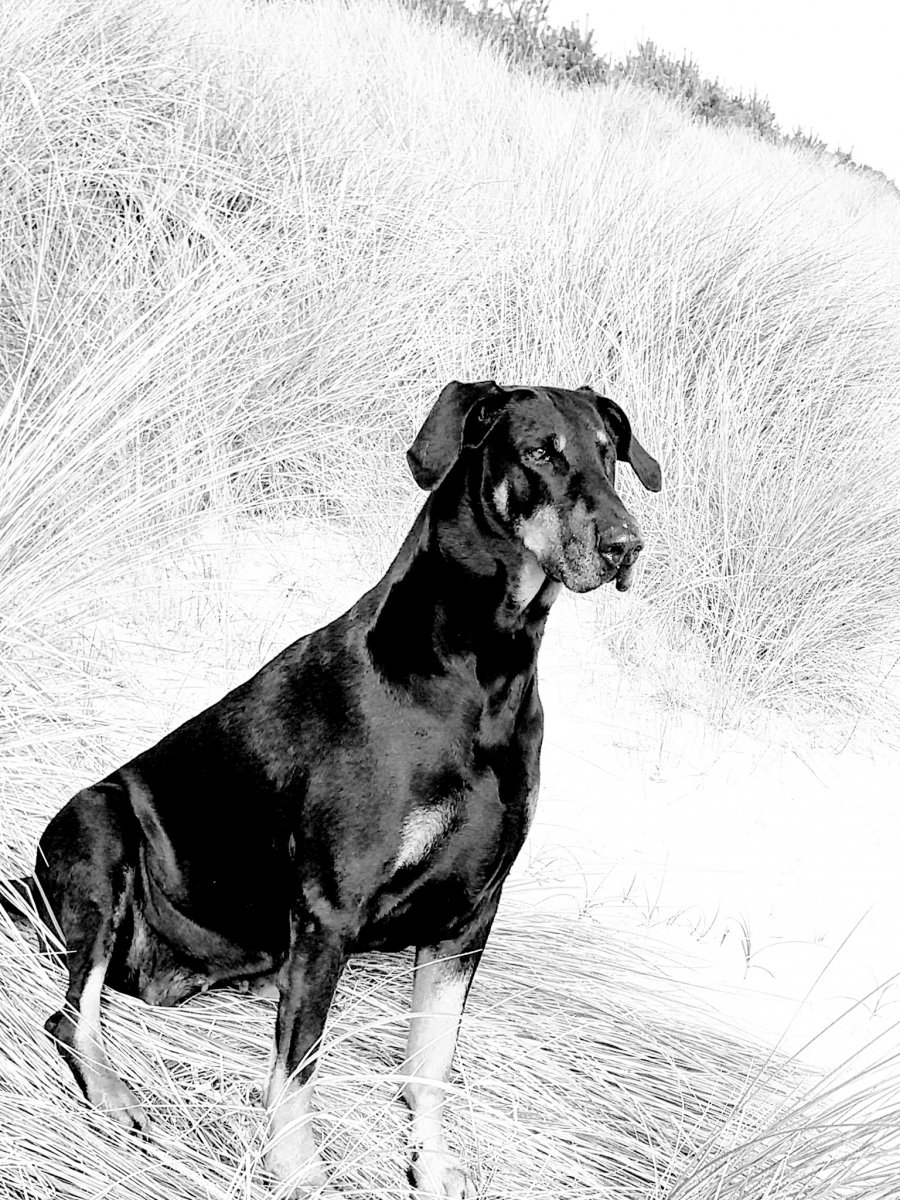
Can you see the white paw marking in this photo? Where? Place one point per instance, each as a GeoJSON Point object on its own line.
{"type": "Point", "coordinates": [116, 1100]}
{"type": "Point", "coordinates": [439, 1175]}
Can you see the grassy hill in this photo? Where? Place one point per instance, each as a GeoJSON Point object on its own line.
{"type": "Point", "coordinates": [522, 32]}
{"type": "Point", "coordinates": [241, 248]}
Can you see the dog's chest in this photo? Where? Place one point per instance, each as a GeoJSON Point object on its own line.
{"type": "Point", "coordinates": [449, 861]}
{"type": "Point", "coordinates": [470, 819]}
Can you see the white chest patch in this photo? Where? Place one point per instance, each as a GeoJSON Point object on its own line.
{"type": "Point", "coordinates": [422, 829]}
{"type": "Point", "coordinates": [501, 497]}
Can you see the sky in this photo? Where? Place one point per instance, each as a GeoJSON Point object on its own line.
{"type": "Point", "coordinates": [833, 69]}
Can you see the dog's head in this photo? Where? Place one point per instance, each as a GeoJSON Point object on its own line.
{"type": "Point", "coordinates": [547, 463]}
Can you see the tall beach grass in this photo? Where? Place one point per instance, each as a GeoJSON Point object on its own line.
{"type": "Point", "coordinates": [242, 246]}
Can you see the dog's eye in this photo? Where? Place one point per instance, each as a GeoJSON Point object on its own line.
{"type": "Point", "coordinates": [538, 454]}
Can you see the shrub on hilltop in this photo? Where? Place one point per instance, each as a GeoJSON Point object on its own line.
{"type": "Point", "coordinates": [521, 30]}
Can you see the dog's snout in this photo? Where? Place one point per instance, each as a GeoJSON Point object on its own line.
{"type": "Point", "coordinates": [618, 546]}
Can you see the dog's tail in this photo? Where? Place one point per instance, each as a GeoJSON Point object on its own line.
{"type": "Point", "coordinates": [18, 899]}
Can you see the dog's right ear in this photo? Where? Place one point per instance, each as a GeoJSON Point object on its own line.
{"type": "Point", "coordinates": [628, 448]}
{"type": "Point", "coordinates": [463, 415]}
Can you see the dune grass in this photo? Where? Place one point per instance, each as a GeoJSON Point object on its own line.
{"type": "Point", "coordinates": [243, 246]}
{"type": "Point", "coordinates": [240, 250]}
{"type": "Point", "coordinates": [582, 1072]}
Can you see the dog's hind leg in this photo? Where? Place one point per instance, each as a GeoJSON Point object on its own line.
{"type": "Point", "coordinates": [17, 900]}
{"type": "Point", "coordinates": [84, 870]}
{"type": "Point", "coordinates": [306, 984]}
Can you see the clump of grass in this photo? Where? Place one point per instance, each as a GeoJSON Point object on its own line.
{"type": "Point", "coordinates": [582, 1072]}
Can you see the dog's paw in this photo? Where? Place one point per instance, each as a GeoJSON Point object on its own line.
{"type": "Point", "coordinates": [438, 1175]}
{"type": "Point", "coordinates": [306, 1175]}
{"type": "Point", "coordinates": [109, 1095]}
{"type": "Point", "coordinates": [309, 1191]}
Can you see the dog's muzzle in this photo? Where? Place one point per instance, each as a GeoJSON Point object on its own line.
{"type": "Point", "coordinates": [620, 550]}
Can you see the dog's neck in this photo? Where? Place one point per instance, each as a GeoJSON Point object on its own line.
{"type": "Point", "coordinates": [458, 588]}
{"type": "Point", "coordinates": [504, 577]}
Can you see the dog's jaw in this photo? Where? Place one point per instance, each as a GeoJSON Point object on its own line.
{"type": "Point", "coordinates": [530, 581]}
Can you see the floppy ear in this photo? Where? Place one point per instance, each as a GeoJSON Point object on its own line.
{"type": "Point", "coordinates": [628, 448]}
{"type": "Point", "coordinates": [454, 421]}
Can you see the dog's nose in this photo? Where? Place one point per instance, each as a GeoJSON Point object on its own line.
{"type": "Point", "coordinates": [617, 546]}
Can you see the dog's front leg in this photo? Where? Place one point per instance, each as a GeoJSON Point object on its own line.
{"type": "Point", "coordinates": [443, 975]}
{"type": "Point", "coordinates": [306, 984]}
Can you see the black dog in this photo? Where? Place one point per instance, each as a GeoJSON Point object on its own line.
{"type": "Point", "coordinates": [369, 788]}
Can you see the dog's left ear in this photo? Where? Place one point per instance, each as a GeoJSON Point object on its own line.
{"type": "Point", "coordinates": [628, 448]}
{"type": "Point", "coordinates": [462, 415]}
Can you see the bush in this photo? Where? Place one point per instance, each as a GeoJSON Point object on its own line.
{"type": "Point", "coordinates": [523, 34]}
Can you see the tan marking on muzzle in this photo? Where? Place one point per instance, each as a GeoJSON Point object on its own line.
{"type": "Point", "coordinates": [541, 532]}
